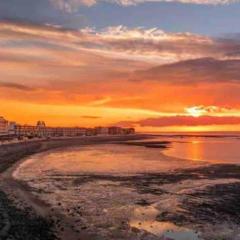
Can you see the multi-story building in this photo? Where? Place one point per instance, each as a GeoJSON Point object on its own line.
{"type": "Point", "coordinates": [101, 130]}
{"type": "Point", "coordinates": [3, 126]}
{"type": "Point", "coordinates": [129, 130]}
{"type": "Point", "coordinates": [12, 128]}
{"type": "Point", "coordinates": [120, 131]}
{"type": "Point", "coordinates": [26, 131]}
{"type": "Point", "coordinates": [65, 131]}
{"type": "Point", "coordinates": [90, 132]}
{"type": "Point", "coordinates": [115, 130]}
{"type": "Point", "coordinates": [41, 130]}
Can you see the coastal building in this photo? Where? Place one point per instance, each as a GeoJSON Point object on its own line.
{"type": "Point", "coordinates": [3, 126]}
{"type": "Point", "coordinates": [65, 131]}
{"type": "Point", "coordinates": [41, 130]}
{"type": "Point", "coordinates": [26, 131]}
{"type": "Point", "coordinates": [101, 130]}
{"type": "Point", "coordinates": [90, 132]}
{"type": "Point", "coordinates": [115, 130]}
{"type": "Point", "coordinates": [120, 131]}
{"type": "Point", "coordinates": [12, 128]}
{"type": "Point", "coordinates": [129, 131]}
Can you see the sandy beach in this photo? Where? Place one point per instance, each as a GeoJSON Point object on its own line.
{"type": "Point", "coordinates": [187, 198]}
{"type": "Point", "coordinates": [24, 216]}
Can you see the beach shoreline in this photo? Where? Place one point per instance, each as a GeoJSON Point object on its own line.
{"type": "Point", "coordinates": [15, 193]}
{"type": "Point", "coordinates": [53, 224]}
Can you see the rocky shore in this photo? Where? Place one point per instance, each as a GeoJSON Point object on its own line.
{"type": "Point", "coordinates": [18, 219]}
{"type": "Point", "coordinates": [206, 199]}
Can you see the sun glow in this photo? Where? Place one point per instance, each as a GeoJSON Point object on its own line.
{"type": "Point", "coordinates": [195, 111]}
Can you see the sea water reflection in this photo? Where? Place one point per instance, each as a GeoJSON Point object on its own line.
{"type": "Point", "coordinates": [213, 149]}
{"type": "Point", "coordinates": [145, 218]}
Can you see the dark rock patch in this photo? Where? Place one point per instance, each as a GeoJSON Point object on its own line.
{"type": "Point", "coordinates": [23, 224]}
{"type": "Point", "coordinates": [213, 205]}
{"type": "Point", "coordinates": [148, 144]}
{"type": "Point", "coordinates": [143, 202]}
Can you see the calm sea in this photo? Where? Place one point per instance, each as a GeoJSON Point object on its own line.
{"type": "Point", "coordinates": [212, 147]}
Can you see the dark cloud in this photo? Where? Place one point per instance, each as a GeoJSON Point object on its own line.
{"type": "Point", "coordinates": [16, 86]}
{"type": "Point", "coordinates": [194, 71]}
{"type": "Point", "coordinates": [91, 117]}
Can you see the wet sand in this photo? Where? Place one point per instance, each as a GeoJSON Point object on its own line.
{"type": "Point", "coordinates": [191, 204]}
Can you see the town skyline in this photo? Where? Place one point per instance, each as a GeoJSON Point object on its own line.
{"type": "Point", "coordinates": [11, 130]}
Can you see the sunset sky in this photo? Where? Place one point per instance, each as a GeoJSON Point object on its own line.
{"type": "Point", "coordinates": [157, 65]}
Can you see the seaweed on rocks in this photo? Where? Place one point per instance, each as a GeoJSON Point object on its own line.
{"type": "Point", "coordinates": [142, 183]}
{"type": "Point", "coordinates": [215, 203]}
{"type": "Point", "coordinates": [212, 205]}
{"type": "Point", "coordinates": [148, 144]}
{"type": "Point", "coordinates": [216, 171]}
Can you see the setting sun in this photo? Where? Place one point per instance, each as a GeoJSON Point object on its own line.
{"type": "Point", "coordinates": [195, 111]}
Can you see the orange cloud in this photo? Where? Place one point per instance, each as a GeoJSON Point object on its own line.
{"type": "Point", "coordinates": [184, 121]}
